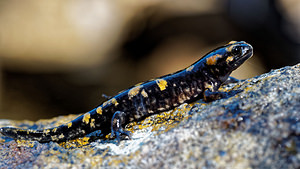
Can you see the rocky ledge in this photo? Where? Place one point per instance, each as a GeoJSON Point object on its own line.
{"type": "Point", "coordinates": [257, 126]}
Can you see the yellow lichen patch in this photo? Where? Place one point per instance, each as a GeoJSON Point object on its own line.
{"type": "Point", "coordinates": [79, 142]}
{"type": "Point", "coordinates": [166, 120]}
{"type": "Point", "coordinates": [25, 143]}
{"type": "Point", "coordinates": [232, 42]}
{"type": "Point", "coordinates": [86, 118]}
{"type": "Point", "coordinates": [69, 124]}
{"type": "Point", "coordinates": [162, 84]}
{"type": "Point", "coordinates": [99, 110]}
{"type": "Point", "coordinates": [190, 68]}
{"type": "Point", "coordinates": [114, 101]}
{"type": "Point", "coordinates": [144, 94]}
{"type": "Point", "coordinates": [213, 59]}
{"type": "Point", "coordinates": [171, 119]}
{"type": "Point", "coordinates": [229, 59]}
{"type": "Point", "coordinates": [134, 91]}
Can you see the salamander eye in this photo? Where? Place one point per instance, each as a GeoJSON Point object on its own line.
{"type": "Point", "coordinates": [236, 50]}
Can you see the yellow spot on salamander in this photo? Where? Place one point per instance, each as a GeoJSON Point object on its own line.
{"type": "Point", "coordinates": [86, 118]}
{"type": "Point", "coordinates": [92, 124]}
{"type": "Point", "coordinates": [46, 131]}
{"type": "Point", "coordinates": [213, 59]}
{"type": "Point", "coordinates": [99, 110]}
{"type": "Point", "coordinates": [229, 59]}
{"type": "Point", "coordinates": [69, 124]}
{"type": "Point", "coordinates": [139, 84]}
{"type": "Point", "coordinates": [54, 138]}
{"type": "Point", "coordinates": [229, 48]}
{"type": "Point", "coordinates": [190, 68]}
{"type": "Point", "coordinates": [111, 101]}
{"type": "Point", "coordinates": [61, 136]}
{"type": "Point", "coordinates": [54, 130]}
{"type": "Point", "coordinates": [83, 141]}
{"type": "Point", "coordinates": [232, 42]}
{"type": "Point", "coordinates": [114, 101]}
{"type": "Point", "coordinates": [144, 94]}
{"type": "Point", "coordinates": [162, 84]}
{"type": "Point", "coordinates": [105, 103]}
{"type": "Point", "coordinates": [134, 91]}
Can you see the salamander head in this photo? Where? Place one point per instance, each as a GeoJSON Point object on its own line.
{"type": "Point", "coordinates": [222, 61]}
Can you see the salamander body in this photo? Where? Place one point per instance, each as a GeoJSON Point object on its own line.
{"type": "Point", "coordinates": [201, 80]}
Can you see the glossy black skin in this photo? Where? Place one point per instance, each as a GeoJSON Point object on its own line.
{"type": "Point", "coordinates": [199, 81]}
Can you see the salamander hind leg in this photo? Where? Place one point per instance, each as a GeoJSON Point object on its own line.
{"type": "Point", "coordinates": [117, 121]}
{"type": "Point", "coordinates": [209, 96]}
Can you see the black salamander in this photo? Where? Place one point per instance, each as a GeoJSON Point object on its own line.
{"type": "Point", "coordinates": [201, 80]}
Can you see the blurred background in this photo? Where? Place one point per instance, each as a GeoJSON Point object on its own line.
{"type": "Point", "coordinates": [59, 57]}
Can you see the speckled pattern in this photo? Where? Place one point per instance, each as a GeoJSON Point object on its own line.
{"type": "Point", "coordinates": [258, 126]}
{"type": "Point", "coordinates": [200, 80]}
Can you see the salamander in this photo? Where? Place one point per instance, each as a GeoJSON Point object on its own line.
{"type": "Point", "coordinates": [200, 80]}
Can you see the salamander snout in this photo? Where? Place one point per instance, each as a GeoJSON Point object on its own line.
{"type": "Point", "coordinates": [237, 54]}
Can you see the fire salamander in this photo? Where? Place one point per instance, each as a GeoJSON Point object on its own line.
{"type": "Point", "coordinates": [201, 80]}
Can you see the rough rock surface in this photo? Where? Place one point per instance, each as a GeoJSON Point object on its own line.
{"type": "Point", "coordinates": [258, 126]}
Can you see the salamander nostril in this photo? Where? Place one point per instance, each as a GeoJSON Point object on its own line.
{"type": "Point", "coordinates": [246, 50]}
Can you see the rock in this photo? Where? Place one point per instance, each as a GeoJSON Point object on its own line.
{"type": "Point", "coordinates": [257, 126]}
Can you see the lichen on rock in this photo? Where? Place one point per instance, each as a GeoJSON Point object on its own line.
{"type": "Point", "coordinates": [256, 126]}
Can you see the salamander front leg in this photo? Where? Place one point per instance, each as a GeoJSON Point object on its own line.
{"type": "Point", "coordinates": [117, 121]}
{"type": "Point", "coordinates": [209, 96]}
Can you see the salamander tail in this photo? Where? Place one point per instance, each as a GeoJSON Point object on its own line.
{"type": "Point", "coordinates": [79, 127]}
{"type": "Point", "coordinates": [28, 134]}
